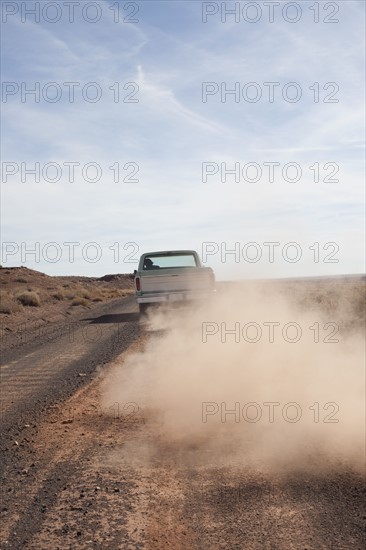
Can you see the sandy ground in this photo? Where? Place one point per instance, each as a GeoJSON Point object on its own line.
{"type": "Point", "coordinates": [57, 300]}
{"type": "Point", "coordinates": [88, 473]}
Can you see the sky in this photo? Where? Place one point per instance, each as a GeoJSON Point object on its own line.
{"type": "Point", "coordinates": [232, 128]}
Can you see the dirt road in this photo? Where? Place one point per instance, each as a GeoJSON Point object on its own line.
{"type": "Point", "coordinates": [78, 475]}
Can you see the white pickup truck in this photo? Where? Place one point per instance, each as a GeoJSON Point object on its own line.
{"type": "Point", "coordinates": [172, 276]}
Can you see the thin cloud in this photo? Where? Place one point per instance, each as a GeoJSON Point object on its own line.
{"type": "Point", "coordinates": [170, 132]}
{"type": "Point", "coordinates": [164, 99]}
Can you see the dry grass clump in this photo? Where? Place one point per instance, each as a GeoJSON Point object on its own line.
{"type": "Point", "coordinates": [5, 307]}
{"type": "Point", "coordinates": [79, 294]}
{"type": "Point", "coordinates": [79, 301]}
{"type": "Point", "coordinates": [97, 296]}
{"type": "Point", "coordinates": [29, 298]}
{"type": "Point", "coordinates": [116, 293]}
{"type": "Point", "coordinates": [84, 293]}
{"type": "Point", "coordinates": [8, 304]}
{"type": "Point", "coordinates": [59, 294]}
{"type": "Point", "coordinates": [77, 291]}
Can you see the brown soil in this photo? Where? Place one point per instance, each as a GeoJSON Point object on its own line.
{"type": "Point", "coordinates": [60, 298]}
{"type": "Point", "coordinates": [90, 476]}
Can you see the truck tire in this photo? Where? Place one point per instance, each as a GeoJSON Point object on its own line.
{"type": "Point", "coordinates": [143, 308]}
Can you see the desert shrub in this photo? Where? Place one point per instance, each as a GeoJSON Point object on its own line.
{"type": "Point", "coordinates": [97, 296]}
{"type": "Point", "coordinates": [79, 301]}
{"type": "Point", "coordinates": [8, 304]}
{"type": "Point", "coordinates": [13, 307]}
{"type": "Point", "coordinates": [72, 292]}
{"type": "Point", "coordinates": [5, 307]}
{"type": "Point", "coordinates": [29, 298]}
{"type": "Point", "coordinates": [84, 293]}
{"type": "Point", "coordinates": [59, 294]}
{"type": "Point", "coordinates": [114, 293]}
{"type": "Point", "coordinates": [77, 291]}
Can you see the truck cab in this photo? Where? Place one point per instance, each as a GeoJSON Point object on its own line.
{"type": "Point", "coordinates": [172, 276]}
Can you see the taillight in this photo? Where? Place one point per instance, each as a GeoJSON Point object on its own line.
{"type": "Point", "coordinates": [137, 283]}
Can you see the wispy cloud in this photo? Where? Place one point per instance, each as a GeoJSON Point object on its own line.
{"type": "Point", "coordinates": [169, 132]}
{"type": "Point", "coordinates": [164, 99]}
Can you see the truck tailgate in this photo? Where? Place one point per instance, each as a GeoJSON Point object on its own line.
{"type": "Point", "coordinates": [171, 281]}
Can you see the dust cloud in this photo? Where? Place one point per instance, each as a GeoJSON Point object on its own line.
{"type": "Point", "coordinates": [253, 377]}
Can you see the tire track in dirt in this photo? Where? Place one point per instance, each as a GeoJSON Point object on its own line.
{"type": "Point", "coordinates": [54, 476]}
{"type": "Point", "coordinates": [36, 375]}
{"type": "Point", "coordinates": [35, 379]}
{"type": "Point", "coordinates": [108, 478]}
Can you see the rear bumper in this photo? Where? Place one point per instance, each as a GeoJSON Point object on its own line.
{"type": "Point", "coordinates": [178, 296]}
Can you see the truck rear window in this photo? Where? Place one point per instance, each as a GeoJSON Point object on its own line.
{"type": "Point", "coordinates": [169, 262]}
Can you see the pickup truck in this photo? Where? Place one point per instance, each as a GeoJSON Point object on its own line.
{"type": "Point", "coordinates": [172, 276]}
